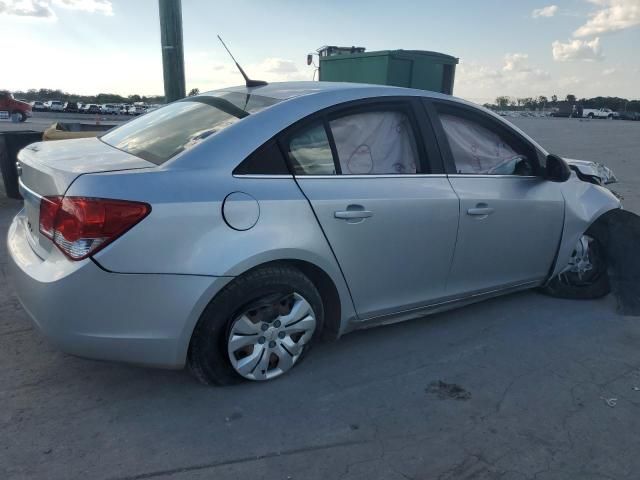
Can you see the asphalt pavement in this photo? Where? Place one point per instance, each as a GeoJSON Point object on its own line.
{"type": "Point", "coordinates": [43, 120]}
{"type": "Point", "coordinates": [520, 387]}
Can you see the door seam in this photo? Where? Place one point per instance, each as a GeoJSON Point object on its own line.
{"type": "Point", "coordinates": [344, 278]}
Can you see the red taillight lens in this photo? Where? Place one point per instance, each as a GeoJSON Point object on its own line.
{"type": "Point", "coordinates": [81, 226]}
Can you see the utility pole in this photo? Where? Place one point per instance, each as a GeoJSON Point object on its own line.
{"type": "Point", "coordinates": [172, 51]}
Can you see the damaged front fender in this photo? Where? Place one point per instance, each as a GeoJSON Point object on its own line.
{"type": "Point", "coordinates": [585, 202]}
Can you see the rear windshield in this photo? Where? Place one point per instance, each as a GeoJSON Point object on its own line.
{"type": "Point", "coordinates": [161, 134]}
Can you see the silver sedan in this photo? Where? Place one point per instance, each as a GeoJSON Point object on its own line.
{"type": "Point", "coordinates": [231, 230]}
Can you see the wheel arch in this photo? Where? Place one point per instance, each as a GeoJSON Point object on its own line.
{"type": "Point", "coordinates": [331, 299]}
{"type": "Point", "coordinates": [336, 305]}
{"type": "Point", "coordinates": [587, 206]}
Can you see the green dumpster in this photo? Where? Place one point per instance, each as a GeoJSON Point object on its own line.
{"type": "Point", "coordinates": [403, 68]}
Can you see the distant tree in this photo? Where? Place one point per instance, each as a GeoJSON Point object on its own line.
{"type": "Point", "coordinates": [571, 98]}
{"type": "Point", "coordinates": [502, 102]}
{"type": "Point", "coordinates": [554, 99]}
{"type": "Point", "coordinates": [542, 100]}
{"type": "Point", "coordinates": [193, 92]}
{"type": "Point", "coordinates": [134, 98]}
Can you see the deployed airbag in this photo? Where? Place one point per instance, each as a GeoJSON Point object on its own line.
{"type": "Point", "coordinates": [379, 142]}
{"type": "Point", "coordinates": [477, 149]}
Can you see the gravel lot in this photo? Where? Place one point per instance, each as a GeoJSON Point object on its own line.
{"type": "Point", "coordinates": [519, 387]}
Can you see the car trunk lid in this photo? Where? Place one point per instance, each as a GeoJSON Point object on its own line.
{"type": "Point", "coordinates": [49, 168]}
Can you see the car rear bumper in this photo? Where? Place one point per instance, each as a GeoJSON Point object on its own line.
{"type": "Point", "coordinates": [87, 311]}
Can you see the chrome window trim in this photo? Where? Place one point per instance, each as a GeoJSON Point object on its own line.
{"type": "Point", "coordinates": [258, 175]}
{"type": "Point", "coordinates": [390, 175]}
{"type": "Point", "coordinates": [300, 177]}
{"type": "Point", "coordinates": [405, 175]}
{"type": "Point", "coordinates": [484, 175]}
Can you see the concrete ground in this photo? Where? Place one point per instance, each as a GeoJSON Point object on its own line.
{"type": "Point", "coordinates": [520, 387]}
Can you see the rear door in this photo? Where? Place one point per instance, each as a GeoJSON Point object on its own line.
{"type": "Point", "coordinates": [511, 218]}
{"type": "Point", "coordinates": [373, 176]}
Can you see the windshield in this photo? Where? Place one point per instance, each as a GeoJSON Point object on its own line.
{"type": "Point", "coordinates": [161, 134]}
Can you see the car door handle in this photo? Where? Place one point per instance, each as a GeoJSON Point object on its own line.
{"type": "Point", "coordinates": [480, 210]}
{"type": "Point", "coordinates": [352, 214]}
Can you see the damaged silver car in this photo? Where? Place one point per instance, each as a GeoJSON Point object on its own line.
{"type": "Point", "coordinates": [230, 230]}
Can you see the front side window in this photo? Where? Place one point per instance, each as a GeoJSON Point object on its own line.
{"type": "Point", "coordinates": [162, 134]}
{"type": "Point", "coordinates": [478, 149]}
{"type": "Point", "coordinates": [377, 142]}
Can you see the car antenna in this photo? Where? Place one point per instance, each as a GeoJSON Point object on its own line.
{"type": "Point", "coordinates": [247, 80]}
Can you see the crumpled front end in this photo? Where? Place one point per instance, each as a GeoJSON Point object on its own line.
{"type": "Point", "coordinates": [593, 172]}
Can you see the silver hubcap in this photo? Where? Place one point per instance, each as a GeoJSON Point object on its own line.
{"type": "Point", "coordinates": [266, 341]}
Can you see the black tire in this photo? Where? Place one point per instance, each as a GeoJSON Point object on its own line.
{"type": "Point", "coordinates": [595, 285]}
{"type": "Point", "coordinates": [208, 359]}
{"type": "Point", "coordinates": [590, 116]}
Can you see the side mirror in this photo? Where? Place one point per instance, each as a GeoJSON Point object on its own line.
{"type": "Point", "coordinates": [557, 169]}
{"type": "Point", "coordinates": [309, 59]}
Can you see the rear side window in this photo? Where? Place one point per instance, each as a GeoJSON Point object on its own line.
{"type": "Point", "coordinates": [375, 142]}
{"type": "Point", "coordinates": [368, 141]}
{"type": "Point", "coordinates": [162, 134]}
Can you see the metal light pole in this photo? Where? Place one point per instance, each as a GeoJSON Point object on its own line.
{"type": "Point", "coordinates": [172, 51]}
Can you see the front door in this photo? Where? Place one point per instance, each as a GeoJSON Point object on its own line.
{"type": "Point", "coordinates": [511, 218]}
{"type": "Point", "coordinates": [390, 221]}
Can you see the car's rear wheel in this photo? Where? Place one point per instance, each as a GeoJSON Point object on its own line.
{"type": "Point", "coordinates": [586, 274]}
{"type": "Point", "coordinates": [257, 328]}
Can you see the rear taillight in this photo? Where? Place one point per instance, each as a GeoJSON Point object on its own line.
{"type": "Point", "coordinates": [82, 226]}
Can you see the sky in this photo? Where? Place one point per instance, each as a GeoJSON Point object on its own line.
{"type": "Point", "coordinates": [517, 48]}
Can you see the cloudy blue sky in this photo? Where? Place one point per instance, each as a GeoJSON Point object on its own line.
{"type": "Point", "coordinates": [506, 47]}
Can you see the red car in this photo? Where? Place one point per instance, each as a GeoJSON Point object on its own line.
{"type": "Point", "coordinates": [10, 106]}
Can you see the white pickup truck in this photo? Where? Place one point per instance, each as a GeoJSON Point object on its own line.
{"type": "Point", "coordinates": [599, 113]}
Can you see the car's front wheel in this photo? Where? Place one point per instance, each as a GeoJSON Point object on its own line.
{"type": "Point", "coordinates": [586, 275]}
{"type": "Point", "coordinates": [257, 328]}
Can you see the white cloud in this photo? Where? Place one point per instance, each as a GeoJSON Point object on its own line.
{"type": "Point", "coordinates": [92, 6]}
{"type": "Point", "coordinates": [207, 71]}
{"type": "Point", "coordinates": [577, 50]}
{"type": "Point", "coordinates": [279, 65]}
{"type": "Point", "coordinates": [27, 8]}
{"type": "Point", "coordinates": [42, 9]}
{"type": "Point", "coordinates": [515, 62]}
{"type": "Point", "coordinates": [548, 11]}
{"type": "Point", "coordinates": [611, 16]}
{"type": "Point", "coordinates": [516, 77]}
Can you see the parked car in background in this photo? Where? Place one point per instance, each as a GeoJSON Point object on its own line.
{"type": "Point", "coordinates": [137, 109]}
{"type": "Point", "coordinates": [599, 113]}
{"type": "Point", "coordinates": [109, 109]}
{"type": "Point", "coordinates": [629, 116]}
{"type": "Point", "coordinates": [38, 106]}
{"type": "Point", "coordinates": [71, 107]}
{"type": "Point", "coordinates": [9, 107]}
{"type": "Point", "coordinates": [54, 105]}
{"type": "Point", "coordinates": [124, 109]}
{"type": "Point", "coordinates": [397, 205]}
{"type": "Point", "coordinates": [91, 108]}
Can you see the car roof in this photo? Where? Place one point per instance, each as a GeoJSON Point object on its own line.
{"type": "Point", "coordinates": [287, 90]}
{"type": "Point", "coordinates": [297, 101]}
